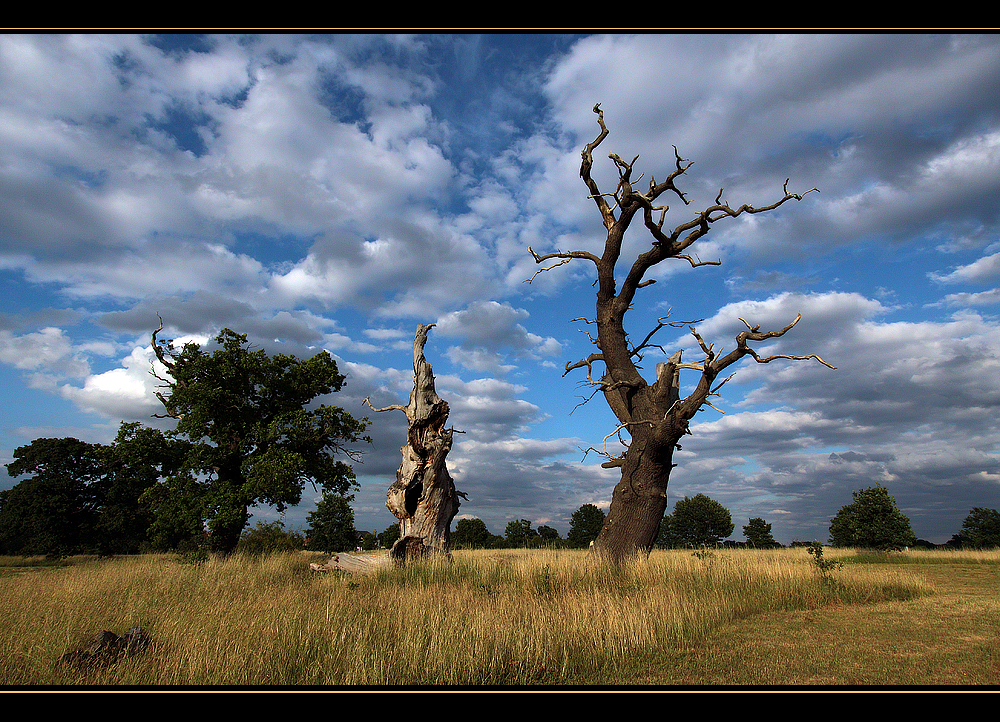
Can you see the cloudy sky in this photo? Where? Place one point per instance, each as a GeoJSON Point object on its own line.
{"type": "Point", "coordinates": [332, 192]}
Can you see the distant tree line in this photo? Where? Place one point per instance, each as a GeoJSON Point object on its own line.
{"type": "Point", "coordinates": [128, 497]}
{"type": "Point", "coordinates": [871, 521]}
{"type": "Point", "coordinates": [585, 525]}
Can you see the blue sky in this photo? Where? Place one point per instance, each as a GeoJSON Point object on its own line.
{"type": "Point", "coordinates": [333, 191]}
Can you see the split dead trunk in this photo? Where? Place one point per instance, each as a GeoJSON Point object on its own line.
{"type": "Point", "coordinates": [423, 498]}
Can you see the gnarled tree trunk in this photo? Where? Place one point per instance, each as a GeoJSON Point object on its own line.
{"type": "Point", "coordinates": [423, 497]}
{"type": "Point", "coordinates": [652, 414]}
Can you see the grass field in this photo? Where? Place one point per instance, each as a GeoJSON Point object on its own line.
{"type": "Point", "coordinates": [512, 619]}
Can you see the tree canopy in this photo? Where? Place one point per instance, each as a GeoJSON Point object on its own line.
{"type": "Point", "coordinates": [331, 525]}
{"type": "Point", "coordinates": [871, 521]}
{"type": "Point", "coordinates": [696, 521]}
{"type": "Point", "coordinates": [257, 435]}
{"type": "Point", "coordinates": [585, 525]}
{"type": "Point", "coordinates": [472, 533]}
{"type": "Point", "coordinates": [270, 537]}
{"type": "Point", "coordinates": [54, 511]}
{"type": "Point", "coordinates": [134, 464]}
{"type": "Point", "coordinates": [981, 528]}
{"type": "Point", "coordinates": [758, 534]}
{"type": "Point", "coordinates": [84, 497]}
{"type": "Point", "coordinates": [519, 533]}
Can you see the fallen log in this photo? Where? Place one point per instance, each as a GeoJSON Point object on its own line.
{"type": "Point", "coordinates": [358, 563]}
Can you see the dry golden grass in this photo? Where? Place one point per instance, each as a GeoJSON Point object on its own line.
{"type": "Point", "coordinates": [491, 618]}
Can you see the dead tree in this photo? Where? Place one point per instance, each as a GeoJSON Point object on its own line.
{"type": "Point", "coordinates": [423, 497]}
{"type": "Point", "coordinates": [653, 415]}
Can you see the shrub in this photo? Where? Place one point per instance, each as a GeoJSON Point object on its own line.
{"type": "Point", "coordinates": [266, 538]}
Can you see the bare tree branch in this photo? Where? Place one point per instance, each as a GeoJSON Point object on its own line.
{"type": "Point", "coordinates": [585, 362]}
{"type": "Point", "coordinates": [566, 256]}
{"type": "Point", "coordinates": [161, 356]}
{"type": "Point", "coordinates": [714, 363]}
{"type": "Point", "coordinates": [392, 407]}
{"type": "Point", "coordinates": [660, 323]}
{"type": "Point", "coordinates": [754, 334]}
{"type": "Point", "coordinates": [614, 461]}
{"type": "Point", "coordinates": [588, 161]}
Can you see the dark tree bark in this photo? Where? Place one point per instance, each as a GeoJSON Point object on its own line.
{"type": "Point", "coordinates": [652, 414]}
{"type": "Point", "coordinates": [423, 497]}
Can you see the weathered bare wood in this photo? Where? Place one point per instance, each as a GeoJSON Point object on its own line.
{"type": "Point", "coordinates": [358, 563]}
{"type": "Point", "coordinates": [423, 498]}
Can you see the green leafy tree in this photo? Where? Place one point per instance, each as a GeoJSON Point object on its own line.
{"type": "Point", "coordinates": [981, 528]}
{"type": "Point", "coordinates": [584, 525]}
{"type": "Point", "coordinates": [55, 511]}
{"type": "Point", "coordinates": [177, 505]}
{"type": "Point", "coordinates": [697, 521]}
{"type": "Point", "coordinates": [667, 537]}
{"type": "Point", "coordinates": [256, 435]}
{"type": "Point", "coordinates": [89, 497]}
{"type": "Point", "coordinates": [871, 521]}
{"type": "Point", "coordinates": [472, 533]}
{"type": "Point", "coordinates": [758, 534]}
{"type": "Point", "coordinates": [135, 462]}
{"type": "Point", "coordinates": [547, 535]}
{"type": "Point", "coordinates": [388, 536]}
{"type": "Point", "coordinates": [331, 525]}
{"type": "Point", "coordinates": [520, 534]}
{"type": "Point", "coordinates": [823, 566]}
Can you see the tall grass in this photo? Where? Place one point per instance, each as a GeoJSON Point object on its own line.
{"type": "Point", "coordinates": [489, 618]}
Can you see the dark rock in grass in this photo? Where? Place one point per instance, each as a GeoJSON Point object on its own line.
{"type": "Point", "coordinates": [106, 647]}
